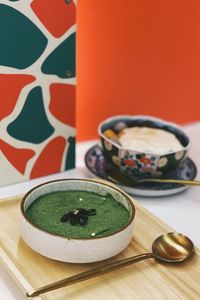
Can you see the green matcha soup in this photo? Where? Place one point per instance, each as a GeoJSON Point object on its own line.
{"type": "Point", "coordinates": [78, 214]}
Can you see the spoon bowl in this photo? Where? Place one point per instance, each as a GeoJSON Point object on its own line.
{"type": "Point", "coordinates": [171, 247]}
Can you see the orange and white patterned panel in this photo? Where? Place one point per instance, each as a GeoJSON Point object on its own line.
{"type": "Point", "coordinates": [37, 88]}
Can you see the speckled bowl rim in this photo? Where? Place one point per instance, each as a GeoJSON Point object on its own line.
{"type": "Point", "coordinates": [97, 181]}
{"type": "Point", "coordinates": [142, 117]}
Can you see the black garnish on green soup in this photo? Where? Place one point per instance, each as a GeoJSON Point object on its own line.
{"type": "Point", "coordinates": [46, 211]}
{"type": "Point", "coordinates": [78, 216]}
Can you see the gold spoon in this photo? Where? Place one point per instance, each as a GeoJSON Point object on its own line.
{"type": "Point", "coordinates": [120, 178]}
{"type": "Point", "coordinates": [171, 247]}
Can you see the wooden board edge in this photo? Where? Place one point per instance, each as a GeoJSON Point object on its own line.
{"type": "Point", "coordinates": [10, 199]}
{"type": "Point", "coordinates": [15, 273]}
{"type": "Point", "coordinates": [159, 221]}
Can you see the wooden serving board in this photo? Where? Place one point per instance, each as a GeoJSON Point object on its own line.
{"type": "Point", "coordinates": [144, 280]}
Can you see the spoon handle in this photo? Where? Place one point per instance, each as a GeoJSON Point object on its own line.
{"type": "Point", "coordinates": [181, 181]}
{"type": "Point", "coordinates": [108, 267]}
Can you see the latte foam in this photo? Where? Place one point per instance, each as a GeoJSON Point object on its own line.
{"type": "Point", "coordinates": [152, 140]}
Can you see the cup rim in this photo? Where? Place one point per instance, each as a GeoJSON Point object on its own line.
{"type": "Point", "coordinates": [135, 117]}
{"type": "Point", "coordinates": [97, 181]}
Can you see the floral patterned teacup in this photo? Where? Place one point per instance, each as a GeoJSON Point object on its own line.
{"type": "Point", "coordinates": [133, 162]}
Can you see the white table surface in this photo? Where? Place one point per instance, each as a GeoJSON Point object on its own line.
{"type": "Point", "coordinates": [180, 211]}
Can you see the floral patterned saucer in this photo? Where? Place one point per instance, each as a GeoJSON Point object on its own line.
{"type": "Point", "coordinates": [99, 167]}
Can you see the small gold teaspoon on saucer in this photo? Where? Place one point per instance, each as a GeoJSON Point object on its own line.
{"type": "Point", "coordinates": [120, 178]}
{"type": "Point", "coordinates": [171, 247]}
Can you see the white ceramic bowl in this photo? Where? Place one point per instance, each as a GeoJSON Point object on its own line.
{"type": "Point", "coordinates": [75, 250]}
